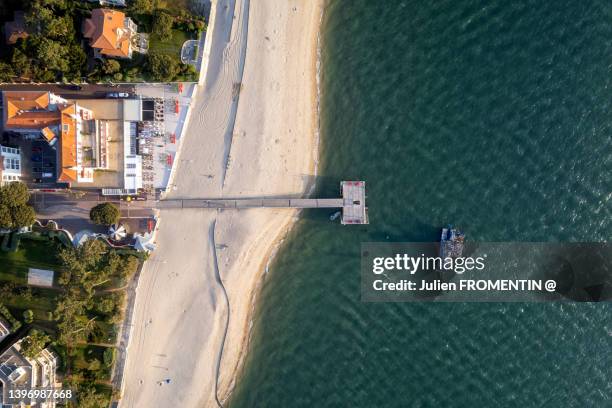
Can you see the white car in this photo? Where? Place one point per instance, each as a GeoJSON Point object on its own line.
{"type": "Point", "coordinates": [117, 95]}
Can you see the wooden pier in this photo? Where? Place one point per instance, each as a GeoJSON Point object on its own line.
{"type": "Point", "coordinates": [352, 203]}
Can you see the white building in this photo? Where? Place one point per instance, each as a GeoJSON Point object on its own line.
{"type": "Point", "coordinates": [16, 370]}
{"type": "Point", "coordinates": [132, 162]}
{"type": "Point", "coordinates": [11, 164]}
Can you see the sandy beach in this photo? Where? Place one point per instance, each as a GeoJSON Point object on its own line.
{"type": "Point", "coordinates": [251, 133]}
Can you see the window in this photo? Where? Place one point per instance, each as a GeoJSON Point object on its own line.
{"type": "Point", "coordinates": [130, 175]}
{"type": "Point", "coordinates": [65, 127]}
{"type": "Point", "coordinates": [130, 166]}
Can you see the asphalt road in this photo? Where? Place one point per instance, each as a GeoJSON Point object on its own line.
{"type": "Point", "coordinates": [71, 211]}
{"type": "Point", "coordinates": [87, 91]}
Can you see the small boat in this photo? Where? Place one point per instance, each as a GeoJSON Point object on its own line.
{"type": "Point", "coordinates": [335, 215]}
{"type": "Point", "coordinates": [451, 242]}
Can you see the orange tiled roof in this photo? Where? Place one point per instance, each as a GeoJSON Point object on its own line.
{"type": "Point", "coordinates": [106, 31]}
{"type": "Point", "coordinates": [28, 110]}
{"type": "Point", "coordinates": [68, 148]}
{"type": "Point", "coordinates": [48, 134]}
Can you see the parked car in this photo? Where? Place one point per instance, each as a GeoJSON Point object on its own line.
{"type": "Point", "coordinates": [117, 95]}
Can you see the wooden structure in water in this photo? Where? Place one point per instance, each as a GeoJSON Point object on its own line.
{"type": "Point", "coordinates": [352, 203]}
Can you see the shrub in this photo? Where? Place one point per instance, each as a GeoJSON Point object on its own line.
{"type": "Point", "coordinates": [32, 345]}
{"type": "Point", "coordinates": [28, 316]}
{"type": "Point", "coordinates": [6, 314]}
{"type": "Point", "coordinates": [109, 357]}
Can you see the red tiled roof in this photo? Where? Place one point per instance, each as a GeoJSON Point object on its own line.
{"type": "Point", "coordinates": [106, 31]}
{"type": "Point", "coordinates": [68, 148]}
{"type": "Point", "coordinates": [28, 110]}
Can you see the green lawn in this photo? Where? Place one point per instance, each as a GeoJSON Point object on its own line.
{"type": "Point", "coordinates": [171, 46]}
{"type": "Point", "coordinates": [31, 254]}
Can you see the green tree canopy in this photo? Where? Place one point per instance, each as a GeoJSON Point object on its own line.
{"type": "Point", "coordinates": [163, 67]}
{"type": "Point", "coordinates": [21, 63]}
{"type": "Point", "coordinates": [147, 6]}
{"type": "Point", "coordinates": [90, 398]}
{"type": "Point", "coordinates": [111, 66]}
{"type": "Point", "coordinates": [105, 214]}
{"type": "Point", "coordinates": [14, 194]}
{"type": "Point", "coordinates": [6, 219]}
{"type": "Point", "coordinates": [106, 304]}
{"type": "Point", "coordinates": [162, 25]}
{"type": "Point", "coordinates": [60, 28]}
{"type": "Point", "coordinates": [34, 343]}
{"type": "Point", "coordinates": [6, 72]}
{"type": "Point", "coordinates": [28, 316]}
{"type": "Point", "coordinates": [109, 357]}
{"type": "Point", "coordinates": [52, 55]}
{"type": "Point", "coordinates": [23, 216]}
{"type": "Point", "coordinates": [94, 365]}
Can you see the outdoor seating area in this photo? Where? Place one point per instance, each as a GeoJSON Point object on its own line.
{"type": "Point", "coordinates": [150, 134]}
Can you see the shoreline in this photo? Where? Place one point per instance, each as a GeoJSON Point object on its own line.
{"type": "Point", "coordinates": [180, 311]}
{"type": "Point", "coordinates": [227, 383]}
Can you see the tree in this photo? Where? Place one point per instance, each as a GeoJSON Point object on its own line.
{"type": "Point", "coordinates": [13, 204]}
{"type": "Point", "coordinates": [130, 266]}
{"type": "Point", "coordinates": [143, 6]}
{"type": "Point", "coordinates": [106, 305]}
{"type": "Point", "coordinates": [162, 25]}
{"type": "Point", "coordinates": [23, 216]}
{"type": "Point", "coordinates": [21, 63]}
{"type": "Point", "coordinates": [52, 54]}
{"type": "Point", "coordinates": [109, 357]}
{"type": "Point", "coordinates": [32, 345]}
{"type": "Point", "coordinates": [90, 398]}
{"type": "Point", "coordinates": [163, 67]}
{"type": "Point", "coordinates": [14, 194]}
{"type": "Point", "coordinates": [6, 72]}
{"type": "Point", "coordinates": [39, 17]}
{"type": "Point", "coordinates": [74, 326]}
{"type": "Point", "coordinates": [105, 214]}
{"type": "Point", "coordinates": [28, 316]}
{"type": "Point", "coordinates": [111, 66]}
{"type": "Point", "coordinates": [94, 365]}
{"type": "Point", "coordinates": [6, 219]}
{"type": "Point", "coordinates": [59, 28]}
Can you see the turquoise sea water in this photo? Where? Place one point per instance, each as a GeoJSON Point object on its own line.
{"type": "Point", "coordinates": [493, 115]}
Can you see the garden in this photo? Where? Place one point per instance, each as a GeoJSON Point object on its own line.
{"type": "Point", "coordinates": [78, 316]}
{"type": "Point", "coordinates": [55, 50]}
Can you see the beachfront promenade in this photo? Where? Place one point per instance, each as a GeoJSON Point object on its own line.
{"type": "Point", "coordinates": [352, 203]}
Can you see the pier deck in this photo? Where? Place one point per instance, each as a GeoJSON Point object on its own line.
{"type": "Point", "coordinates": [352, 203]}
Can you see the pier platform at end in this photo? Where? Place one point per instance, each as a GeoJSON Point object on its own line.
{"type": "Point", "coordinates": [354, 210]}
